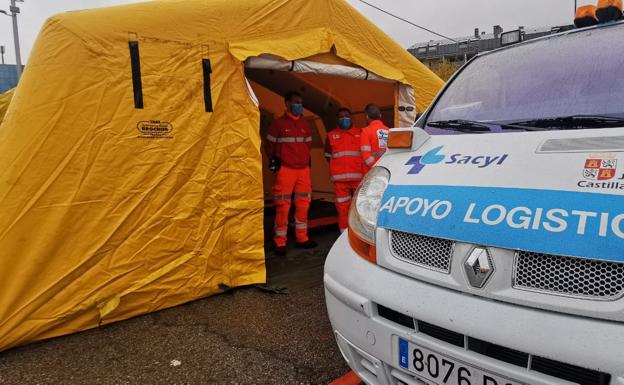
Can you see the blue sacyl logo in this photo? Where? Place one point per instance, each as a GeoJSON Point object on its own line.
{"type": "Point", "coordinates": [434, 157]}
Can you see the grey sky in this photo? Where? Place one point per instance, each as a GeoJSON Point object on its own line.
{"type": "Point", "coordinates": [449, 17]}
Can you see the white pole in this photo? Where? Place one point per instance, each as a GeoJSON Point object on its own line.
{"type": "Point", "coordinates": [18, 57]}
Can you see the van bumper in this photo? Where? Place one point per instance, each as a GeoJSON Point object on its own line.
{"type": "Point", "coordinates": [354, 289]}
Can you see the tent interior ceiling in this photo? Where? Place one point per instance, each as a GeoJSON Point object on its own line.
{"type": "Point", "coordinates": [326, 94]}
{"type": "Point", "coordinates": [330, 58]}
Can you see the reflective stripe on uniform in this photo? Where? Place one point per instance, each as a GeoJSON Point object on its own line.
{"type": "Point", "coordinates": [347, 176]}
{"type": "Point", "coordinates": [271, 138]}
{"type": "Point", "coordinates": [281, 197]}
{"type": "Point", "coordinates": [281, 233]}
{"type": "Point", "coordinates": [378, 154]}
{"type": "Point", "coordinates": [293, 139]}
{"type": "Point", "coordinates": [303, 195]}
{"type": "Point", "coordinates": [370, 160]}
{"type": "Point", "coordinates": [301, 226]}
{"type": "Point", "coordinates": [328, 155]}
{"type": "Point", "coordinates": [343, 199]}
{"type": "Point", "coordinates": [366, 148]}
{"type": "Point", "coordinates": [346, 153]}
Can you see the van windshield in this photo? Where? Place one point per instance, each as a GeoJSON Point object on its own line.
{"type": "Point", "coordinates": [578, 77]}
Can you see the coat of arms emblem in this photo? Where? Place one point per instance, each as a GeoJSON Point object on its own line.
{"type": "Point", "coordinates": [599, 169]}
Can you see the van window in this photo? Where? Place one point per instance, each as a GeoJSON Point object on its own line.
{"type": "Point", "coordinates": [566, 75]}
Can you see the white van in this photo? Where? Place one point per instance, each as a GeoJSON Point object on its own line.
{"type": "Point", "coordinates": [495, 257]}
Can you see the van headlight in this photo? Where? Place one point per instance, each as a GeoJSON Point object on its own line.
{"type": "Point", "coordinates": [366, 203]}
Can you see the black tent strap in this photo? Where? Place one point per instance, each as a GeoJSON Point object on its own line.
{"type": "Point", "coordinates": [207, 92]}
{"type": "Point", "coordinates": [135, 62]}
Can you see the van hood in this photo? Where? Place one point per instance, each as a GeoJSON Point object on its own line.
{"type": "Point", "coordinates": [555, 192]}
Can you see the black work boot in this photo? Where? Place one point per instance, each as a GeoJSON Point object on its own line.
{"type": "Point", "coordinates": [309, 244]}
{"type": "Point", "coordinates": [280, 251]}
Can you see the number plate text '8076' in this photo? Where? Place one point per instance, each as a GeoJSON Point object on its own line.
{"type": "Point", "coordinates": [440, 369]}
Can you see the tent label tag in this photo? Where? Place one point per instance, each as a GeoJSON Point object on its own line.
{"type": "Point", "coordinates": [155, 129]}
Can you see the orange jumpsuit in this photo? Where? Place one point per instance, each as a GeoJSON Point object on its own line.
{"type": "Point", "coordinates": [290, 139]}
{"type": "Point", "coordinates": [342, 149]}
{"type": "Point", "coordinates": [374, 143]}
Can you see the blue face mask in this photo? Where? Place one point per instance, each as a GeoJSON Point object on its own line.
{"type": "Point", "coordinates": [344, 122]}
{"type": "Point", "coordinates": [296, 109]}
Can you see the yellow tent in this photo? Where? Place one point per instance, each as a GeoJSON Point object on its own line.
{"type": "Point", "coordinates": [5, 99]}
{"type": "Point", "coordinates": [131, 175]}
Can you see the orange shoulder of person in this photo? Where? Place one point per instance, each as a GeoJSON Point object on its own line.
{"type": "Point", "coordinates": [374, 142]}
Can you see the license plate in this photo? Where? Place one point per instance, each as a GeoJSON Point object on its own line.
{"type": "Point", "coordinates": [440, 369]}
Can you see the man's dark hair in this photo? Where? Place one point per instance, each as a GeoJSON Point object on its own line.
{"type": "Point", "coordinates": [343, 109]}
{"type": "Point", "coordinates": [373, 111]}
{"type": "Point", "coordinates": [289, 96]}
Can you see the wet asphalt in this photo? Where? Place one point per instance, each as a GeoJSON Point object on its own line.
{"type": "Point", "coordinates": [245, 336]}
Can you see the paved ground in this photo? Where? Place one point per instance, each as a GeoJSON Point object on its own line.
{"type": "Point", "coordinates": [247, 336]}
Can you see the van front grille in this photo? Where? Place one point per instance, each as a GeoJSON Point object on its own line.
{"type": "Point", "coordinates": [498, 352]}
{"type": "Point", "coordinates": [395, 316]}
{"type": "Point", "coordinates": [561, 370]}
{"type": "Point", "coordinates": [569, 276]}
{"type": "Point", "coordinates": [442, 334]}
{"type": "Point", "coordinates": [429, 252]}
{"type": "Point", "coordinates": [569, 372]}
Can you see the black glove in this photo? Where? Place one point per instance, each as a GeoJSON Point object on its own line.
{"type": "Point", "coordinates": [275, 164]}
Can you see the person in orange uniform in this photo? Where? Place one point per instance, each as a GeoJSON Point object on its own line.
{"type": "Point", "coordinates": [374, 137]}
{"type": "Point", "coordinates": [288, 145]}
{"type": "Point", "coordinates": [342, 150]}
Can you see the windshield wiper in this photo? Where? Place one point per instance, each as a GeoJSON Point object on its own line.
{"type": "Point", "coordinates": [573, 122]}
{"type": "Point", "coordinates": [474, 126]}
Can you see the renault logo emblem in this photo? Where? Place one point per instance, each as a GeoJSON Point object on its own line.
{"type": "Point", "coordinates": [478, 267]}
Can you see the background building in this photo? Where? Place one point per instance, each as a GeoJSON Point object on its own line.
{"type": "Point", "coordinates": [435, 52]}
{"type": "Point", "coordinates": [8, 77]}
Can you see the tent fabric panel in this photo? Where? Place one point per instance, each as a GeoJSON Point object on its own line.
{"type": "Point", "coordinates": [108, 206]}
{"type": "Point", "coordinates": [109, 211]}
{"type": "Point", "coordinates": [293, 30]}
